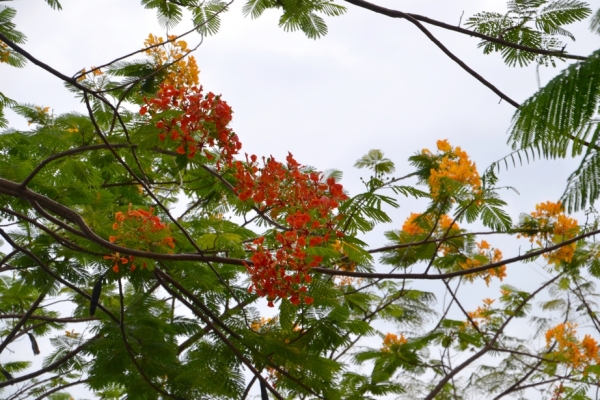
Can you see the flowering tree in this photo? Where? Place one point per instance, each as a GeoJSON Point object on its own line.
{"type": "Point", "coordinates": [164, 305]}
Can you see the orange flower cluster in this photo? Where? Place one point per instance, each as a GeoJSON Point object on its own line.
{"type": "Point", "coordinates": [183, 72]}
{"type": "Point", "coordinates": [487, 256]}
{"type": "Point", "coordinates": [456, 165]}
{"type": "Point", "coordinates": [4, 52]}
{"type": "Point", "coordinates": [416, 225]}
{"type": "Point", "coordinates": [481, 314]}
{"type": "Point", "coordinates": [138, 229]}
{"type": "Point", "coordinates": [203, 122]}
{"type": "Point", "coordinates": [576, 354]}
{"type": "Point", "coordinates": [425, 225]}
{"type": "Point", "coordinates": [555, 227]}
{"type": "Point", "coordinates": [392, 339]}
{"type": "Point", "coordinates": [308, 204]}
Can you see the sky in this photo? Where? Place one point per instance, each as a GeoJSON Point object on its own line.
{"type": "Point", "coordinates": [371, 83]}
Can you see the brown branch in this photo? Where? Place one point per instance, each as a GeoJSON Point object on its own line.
{"type": "Point", "coordinates": [59, 239]}
{"type": "Point", "coordinates": [65, 153]}
{"type": "Point", "coordinates": [22, 321]}
{"type": "Point", "coordinates": [459, 61]}
{"type": "Point", "coordinates": [421, 276]}
{"type": "Point", "coordinates": [58, 388]}
{"type": "Point", "coordinates": [53, 274]}
{"type": "Point", "coordinates": [440, 385]}
{"type": "Point", "coordinates": [13, 189]}
{"type": "Point", "coordinates": [220, 334]}
{"type": "Point", "coordinates": [65, 320]}
{"type": "Point", "coordinates": [49, 367]}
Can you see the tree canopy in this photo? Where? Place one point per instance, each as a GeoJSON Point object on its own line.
{"type": "Point", "coordinates": [270, 281]}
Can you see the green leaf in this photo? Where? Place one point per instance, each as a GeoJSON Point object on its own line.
{"type": "Point", "coordinates": [375, 161]}
{"type": "Point", "coordinates": [595, 22]}
{"type": "Point", "coordinates": [255, 8]}
{"type": "Point", "coordinates": [207, 17]}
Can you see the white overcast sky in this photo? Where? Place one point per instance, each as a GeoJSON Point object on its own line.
{"type": "Point", "coordinates": [372, 82]}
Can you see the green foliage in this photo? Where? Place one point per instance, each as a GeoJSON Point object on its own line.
{"type": "Point", "coordinates": [7, 28]}
{"type": "Point", "coordinates": [298, 14]}
{"type": "Point", "coordinates": [532, 23]}
{"type": "Point", "coordinates": [55, 4]}
{"type": "Point", "coordinates": [560, 119]}
{"type": "Point", "coordinates": [595, 22]}
{"type": "Point", "coordinates": [93, 201]}
{"type": "Point", "coordinates": [207, 16]}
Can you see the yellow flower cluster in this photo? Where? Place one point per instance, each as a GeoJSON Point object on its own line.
{"type": "Point", "coordinates": [392, 340]}
{"type": "Point", "coordinates": [456, 165]}
{"type": "Point", "coordinates": [72, 334]}
{"type": "Point", "coordinates": [555, 227]}
{"type": "Point", "coordinates": [491, 255]}
{"type": "Point", "coordinates": [576, 354]}
{"type": "Point", "coordinates": [262, 324]}
{"type": "Point", "coordinates": [95, 71]}
{"type": "Point", "coordinates": [346, 266]}
{"type": "Point", "coordinates": [42, 112]}
{"type": "Point", "coordinates": [184, 72]}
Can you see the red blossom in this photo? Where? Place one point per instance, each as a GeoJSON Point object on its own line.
{"type": "Point", "coordinates": [306, 204]}
{"type": "Point", "coordinates": [136, 227]}
{"type": "Point", "coordinates": [203, 122]}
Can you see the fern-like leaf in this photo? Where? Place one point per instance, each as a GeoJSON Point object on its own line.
{"type": "Point", "coordinates": [595, 23]}
{"type": "Point", "coordinates": [207, 18]}
{"type": "Point", "coordinates": [560, 116]}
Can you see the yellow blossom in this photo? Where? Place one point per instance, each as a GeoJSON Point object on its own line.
{"type": "Point", "coordinates": [182, 71]}
{"type": "Point", "coordinates": [411, 227]}
{"type": "Point", "coordinates": [493, 256]}
{"type": "Point", "coordinates": [555, 227]}
{"type": "Point", "coordinates": [260, 324]}
{"type": "Point", "coordinates": [488, 301]}
{"type": "Point", "coordinates": [82, 77]}
{"type": "Point", "coordinates": [71, 334]}
{"type": "Point", "coordinates": [481, 314]}
{"type": "Point", "coordinates": [483, 245]}
{"type": "Point", "coordinates": [447, 222]}
{"type": "Point", "coordinates": [443, 146]}
{"type": "Point", "coordinates": [456, 165]}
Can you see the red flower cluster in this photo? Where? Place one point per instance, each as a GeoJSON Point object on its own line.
{"type": "Point", "coordinates": [141, 230]}
{"type": "Point", "coordinates": [203, 122]}
{"type": "Point", "coordinates": [307, 204]}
